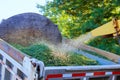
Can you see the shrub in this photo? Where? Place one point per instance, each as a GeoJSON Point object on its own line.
{"type": "Point", "coordinates": [108, 44]}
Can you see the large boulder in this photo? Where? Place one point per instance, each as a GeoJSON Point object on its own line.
{"type": "Point", "coordinates": [28, 27]}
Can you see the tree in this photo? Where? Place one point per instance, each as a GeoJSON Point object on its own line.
{"type": "Point", "coordinates": [75, 17]}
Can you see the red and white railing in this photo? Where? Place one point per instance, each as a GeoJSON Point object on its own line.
{"type": "Point", "coordinates": [112, 72]}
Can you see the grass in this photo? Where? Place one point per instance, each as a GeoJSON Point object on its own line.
{"type": "Point", "coordinates": [51, 55]}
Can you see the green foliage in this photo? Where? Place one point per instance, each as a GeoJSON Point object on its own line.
{"type": "Point", "coordinates": [76, 17]}
{"type": "Point", "coordinates": [43, 52]}
{"type": "Point", "coordinates": [76, 59]}
{"type": "Point", "coordinates": [108, 44]}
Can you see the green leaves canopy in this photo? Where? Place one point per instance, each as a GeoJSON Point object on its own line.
{"type": "Point", "coordinates": [75, 17]}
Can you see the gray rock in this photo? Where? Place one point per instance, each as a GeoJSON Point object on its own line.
{"type": "Point", "coordinates": [28, 27]}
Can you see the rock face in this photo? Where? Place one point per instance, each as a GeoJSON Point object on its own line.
{"type": "Point", "coordinates": [28, 27]}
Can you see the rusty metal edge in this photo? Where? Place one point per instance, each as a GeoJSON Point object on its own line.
{"type": "Point", "coordinates": [12, 52]}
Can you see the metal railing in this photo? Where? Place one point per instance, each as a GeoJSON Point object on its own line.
{"type": "Point", "coordinates": [14, 65]}
{"type": "Point", "coordinates": [106, 72]}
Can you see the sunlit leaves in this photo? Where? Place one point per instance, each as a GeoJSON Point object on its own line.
{"type": "Point", "coordinates": [75, 17]}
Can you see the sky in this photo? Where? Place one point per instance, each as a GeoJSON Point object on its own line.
{"type": "Point", "coordinates": [10, 8]}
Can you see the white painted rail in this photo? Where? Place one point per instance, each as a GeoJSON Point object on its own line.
{"type": "Point", "coordinates": [14, 65]}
